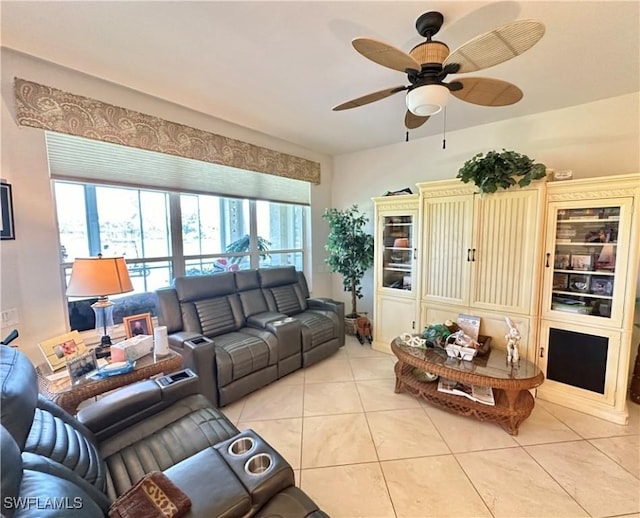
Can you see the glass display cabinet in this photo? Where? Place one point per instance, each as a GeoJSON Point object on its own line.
{"type": "Point", "coordinates": [395, 268]}
{"type": "Point", "coordinates": [586, 260]}
{"type": "Point", "coordinates": [398, 257]}
{"type": "Point", "coordinates": [590, 275]}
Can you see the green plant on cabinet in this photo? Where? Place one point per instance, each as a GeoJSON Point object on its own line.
{"type": "Point", "coordinates": [502, 170]}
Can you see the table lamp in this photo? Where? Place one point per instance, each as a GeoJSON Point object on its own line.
{"type": "Point", "coordinates": [100, 277]}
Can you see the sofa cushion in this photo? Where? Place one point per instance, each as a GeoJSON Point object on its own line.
{"type": "Point", "coordinates": [219, 315]}
{"type": "Point", "coordinates": [163, 440]}
{"type": "Point", "coordinates": [317, 328]}
{"type": "Point", "coordinates": [57, 439]}
{"type": "Point", "coordinates": [240, 354]}
{"type": "Point", "coordinates": [200, 287]}
{"type": "Point", "coordinates": [19, 393]}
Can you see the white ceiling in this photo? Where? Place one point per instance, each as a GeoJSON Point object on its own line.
{"type": "Point", "coordinates": [279, 67]}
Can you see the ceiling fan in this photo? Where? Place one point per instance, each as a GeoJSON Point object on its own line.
{"type": "Point", "coordinates": [429, 63]}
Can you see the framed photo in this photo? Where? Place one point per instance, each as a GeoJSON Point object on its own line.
{"type": "Point", "coordinates": [579, 283]}
{"type": "Point", "coordinates": [562, 261]}
{"type": "Point", "coordinates": [581, 262]}
{"type": "Point", "coordinates": [57, 351]}
{"type": "Point", "coordinates": [138, 325]}
{"type": "Point", "coordinates": [560, 281]}
{"type": "Point", "coordinates": [602, 286]}
{"type": "Point", "coordinates": [7, 227]}
{"type": "Point", "coordinates": [82, 365]}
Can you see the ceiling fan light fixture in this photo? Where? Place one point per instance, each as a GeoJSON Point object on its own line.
{"type": "Point", "coordinates": [427, 100]}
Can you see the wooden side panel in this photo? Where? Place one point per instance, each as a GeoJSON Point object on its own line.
{"type": "Point", "coordinates": [505, 248]}
{"type": "Point", "coordinates": [446, 242]}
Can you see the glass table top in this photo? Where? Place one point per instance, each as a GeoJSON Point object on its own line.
{"type": "Point", "coordinates": [492, 365]}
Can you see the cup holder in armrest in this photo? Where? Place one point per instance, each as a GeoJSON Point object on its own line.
{"type": "Point", "coordinates": [258, 464]}
{"type": "Point", "coordinates": [241, 446]}
{"type": "Point", "coordinates": [175, 377]}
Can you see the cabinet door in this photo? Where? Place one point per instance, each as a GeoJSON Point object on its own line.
{"type": "Point", "coordinates": [586, 261]}
{"type": "Point", "coordinates": [447, 235]}
{"type": "Point", "coordinates": [504, 251]}
{"type": "Point", "coordinates": [397, 249]}
{"type": "Point", "coordinates": [580, 365]}
{"type": "Point", "coordinates": [394, 317]}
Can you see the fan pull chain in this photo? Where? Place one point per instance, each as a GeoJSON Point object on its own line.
{"type": "Point", "coordinates": [444, 130]}
{"type": "Point", "coordinates": [406, 138]}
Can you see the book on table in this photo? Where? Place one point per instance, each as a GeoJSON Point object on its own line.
{"type": "Point", "coordinates": [482, 395]}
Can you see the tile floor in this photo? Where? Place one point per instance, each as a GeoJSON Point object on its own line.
{"type": "Point", "coordinates": [360, 450]}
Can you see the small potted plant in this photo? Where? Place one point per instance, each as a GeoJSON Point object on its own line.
{"type": "Point", "coordinates": [496, 170]}
{"type": "Point", "coordinates": [350, 251]}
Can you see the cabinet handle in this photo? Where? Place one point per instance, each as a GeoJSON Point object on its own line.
{"type": "Point", "coordinates": [473, 254]}
{"type": "Point", "coordinates": [413, 324]}
{"type": "Point", "coordinates": [468, 255]}
{"type": "Point", "coordinates": [547, 263]}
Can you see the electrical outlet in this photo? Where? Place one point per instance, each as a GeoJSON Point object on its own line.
{"type": "Point", "coordinates": [9, 317]}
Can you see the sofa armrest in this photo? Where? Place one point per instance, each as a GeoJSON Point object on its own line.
{"type": "Point", "coordinates": [210, 485]}
{"type": "Point", "coordinates": [134, 403]}
{"type": "Point", "coordinates": [199, 354]}
{"type": "Point", "coordinates": [260, 320]}
{"type": "Point", "coordinates": [327, 304]}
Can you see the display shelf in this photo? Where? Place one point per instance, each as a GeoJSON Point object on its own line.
{"type": "Point", "coordinates": [395, 267]}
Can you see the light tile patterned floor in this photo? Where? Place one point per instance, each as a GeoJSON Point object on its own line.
{"type": "Point", "coordinates": [360, 450]}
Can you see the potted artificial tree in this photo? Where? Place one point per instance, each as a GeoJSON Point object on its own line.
{"type": "Point", "coordinates": [495, 170]}
{"type": "Point", "coordinates": [350, 253]}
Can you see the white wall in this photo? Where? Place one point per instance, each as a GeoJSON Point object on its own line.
{"type": "Point", "coordinates": [30, 275]}
{"type": "Point", "coordinates": [595, 139]}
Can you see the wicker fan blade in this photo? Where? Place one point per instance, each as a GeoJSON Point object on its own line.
{"type": "Point", "coordinates": [385, 54]}
{"type": "Point", "coordinates": [369, 98]}
{"type": "Point", "coordinates": [496, 46]}
{"type": "Point", "coordinates": [487, 92]}
{"type": "Point", "coordinates": [412, 121]}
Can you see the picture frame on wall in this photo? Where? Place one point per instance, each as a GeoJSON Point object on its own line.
{"type": "Point", "coordinates": [135, 325]}
{"type": "Point", "coordinates": [60, 349]}
{"type": "Point", "coordinates": [7, 225]}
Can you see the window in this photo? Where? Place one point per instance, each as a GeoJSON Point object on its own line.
{"type": "Point", "coordinates": [164, 234]}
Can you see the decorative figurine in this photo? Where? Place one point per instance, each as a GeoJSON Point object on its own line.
{"type": "Point", "coordinates": [412, 341]}
{"type": "Point", "coordinates": [513, 339]}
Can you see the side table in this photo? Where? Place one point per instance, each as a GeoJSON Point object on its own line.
{"type": "Point", "coordinates": [69, 396]}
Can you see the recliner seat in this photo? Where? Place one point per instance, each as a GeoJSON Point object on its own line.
{"type": "Point", "coordinates": [48, 455]}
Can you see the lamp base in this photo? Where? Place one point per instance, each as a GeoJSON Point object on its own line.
{"type": "Point", "coordinates": [104, 349]}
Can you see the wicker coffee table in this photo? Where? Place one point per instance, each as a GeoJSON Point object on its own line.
{"type": "Point", "coordinates": [510, 384]}
{"type": "Point", "coordinates": [70, 396]}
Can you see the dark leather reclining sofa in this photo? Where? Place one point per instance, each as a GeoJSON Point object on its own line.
{"type": "Point", "coordinates": [55, 465]}
{"type": "Point", "coordinates": [240, 331]}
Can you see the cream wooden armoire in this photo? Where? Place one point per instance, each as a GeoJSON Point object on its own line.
{"type": "Point", "coordinates": [479, 256]}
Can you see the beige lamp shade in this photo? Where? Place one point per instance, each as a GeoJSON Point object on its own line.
{"type": "Point", "coordinates": [99, 277]}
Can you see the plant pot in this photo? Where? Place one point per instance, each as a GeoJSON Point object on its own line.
{"type": "Point", "coordinates": [349, 326]}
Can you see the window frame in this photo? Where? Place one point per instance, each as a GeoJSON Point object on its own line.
{"type": "Point", "coordinates": [177, 261]}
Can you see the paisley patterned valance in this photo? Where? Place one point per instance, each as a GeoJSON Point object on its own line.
{"type": "Point", "coordinates": [47, 108]}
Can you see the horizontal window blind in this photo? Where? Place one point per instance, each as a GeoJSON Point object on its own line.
{"type": "Point", "coordinates": [91, 161]}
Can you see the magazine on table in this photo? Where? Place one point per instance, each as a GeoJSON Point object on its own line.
{"type": "Point", "coordinates": [482, 395]}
